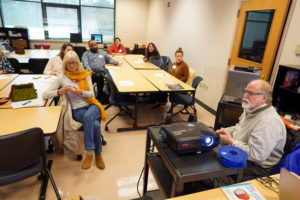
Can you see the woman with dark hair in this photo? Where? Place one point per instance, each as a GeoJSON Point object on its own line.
{"type": "Point", "coordinates": [76, 83]}
{"type": "Point", "coordinates": [179, 69]}
{"type": "Point", "coordinates": [117, 48]}
{"type": "Point", "coordinates": [54, 65]}
{"type": "Point", "coordinates": [152, 55]}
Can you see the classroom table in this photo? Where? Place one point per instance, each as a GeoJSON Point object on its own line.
{"type": "Point", "coordinates": [161, 78]}
{"type": "Point", "coordinates": [5, 79]}
{"type": "Point", "coordinates": [218, 194]}
{"type": "Point", "coordinates": [41, 84]}
{"type": "Point", "coordinates": [128, 80]}
{"type": "Point", "coordinates": [33, 53]}
{"type": "Point", "coordinates": [14, 120]}
{"type": "Point", "coordinates": [136, 61]}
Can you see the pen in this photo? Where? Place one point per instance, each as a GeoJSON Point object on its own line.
{"type": "Point", "coordinates": [47, 77]}
{"type": "Point", "coordinates": [26, 103]}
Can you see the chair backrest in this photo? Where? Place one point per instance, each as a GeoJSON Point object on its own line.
{"type": "Point", "coordinates": [79, 50]}
{"type": "Point", "coordinates": [139, 51]}
{"type": "Point", "coordinates": [156, 60]}
{"type": "Point", "coordinates": [167, 63]}
{"type": "Point", "coordinates": [196, 81]}
{"type": "Point", "coordinates": [112, 88]}
{"type": "Point", "coordinates": [15, 64]}
{"type": "Point", "coordinates": [37, 65]}
{"type": "Point", "coordinates": [127, 50]}
{"type": "Point", "coordinates": [22, 149]}
{"type": "Point", "coordinates": [192, 75]}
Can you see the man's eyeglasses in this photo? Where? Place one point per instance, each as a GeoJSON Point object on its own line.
{"type": "Point", "coordinates": [252, 93]}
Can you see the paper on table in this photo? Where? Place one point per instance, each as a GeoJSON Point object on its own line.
{"type": "Point", "coordinates": [112, 67]}
{"type": "Point", "coordinates": [162, 75]}
{"type": "Point", "coordinates": [139, 60]}
{"type": "Point", "coordinates": [126, 83]}
{"type": "Point", "coordinates": [32, 102]}
{"type": "Point", "coordinates": [2, 77]}
{"type": "Point", "coordinates": [118, 56]}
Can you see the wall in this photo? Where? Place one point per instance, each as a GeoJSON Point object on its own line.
{"type": "Point", "coordinates": [205, 30]}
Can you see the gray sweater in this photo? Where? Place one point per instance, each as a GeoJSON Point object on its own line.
{"type": "Point", "coordinates": [96, 61]}
{"type": "Point", "coordinates": [262, 135]}
{"type": "Point", "coordinates": [76, 100]}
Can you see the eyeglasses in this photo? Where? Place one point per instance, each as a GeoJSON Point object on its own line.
{"type": "Point", "coordinates": [72, 63]}
{"type": "Point", "coordinates": [252, 93]}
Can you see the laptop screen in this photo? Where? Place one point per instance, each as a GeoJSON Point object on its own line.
{"type": "Point", "coordinates": [289, 186]}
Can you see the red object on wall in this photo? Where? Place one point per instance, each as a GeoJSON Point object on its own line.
{"type": "Point", "coordinates": [46, 46]}
{"type": "Point", "coordinates": [37, 46]}
{"type": "Point", "coordinates": [169, 3]}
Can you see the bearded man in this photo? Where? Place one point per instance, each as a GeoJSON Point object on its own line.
{"type": "Point", "coordinates": [260, 131]}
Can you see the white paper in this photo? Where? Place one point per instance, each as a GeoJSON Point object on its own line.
{"type": "Point", "coordinates": [118, 56]}
{"type": "Point", "coordinates": [126, 83]}
{"type": "Point", "coordinates": [139, 61]}
{"type": "Point", "coordinates": [2, 77]}
{"type": "Point", "coordinates": [27, 103]}
{"type": "Point", "coordinates": [112, 67]}
{"type": "Point", "coordinates": [162, 75]}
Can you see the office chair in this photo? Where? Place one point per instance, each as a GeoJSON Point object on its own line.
{"type": "Point", "coordinates": [118, 99]}
{"type": "Point", "coordinates": [166, 63]}
{"type": "Point", "coordinates": [23, 155]}
{"type": "Point", "coordinates": [15, 64]}
{"type": "Point", "coordinates": [127, 50]}
{"type": "Point", "coordinates": [186, 100]}
{"type": "Point", "coordinates": [139, 51]}
{"type": "Point", "coordinates": [192, 75]}
{"type": "Point", "coordinates": [79, 50]}
{"type": "Point", "coordinates": [37, 65]}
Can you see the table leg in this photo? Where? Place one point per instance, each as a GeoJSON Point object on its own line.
{"type": "Point", "coordinates": [146, 166]}
{"type": "Point", "coordinates": [176, 189]}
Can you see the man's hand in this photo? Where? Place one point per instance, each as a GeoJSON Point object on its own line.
{"type": "Point", "coordinates": [75, 90]}
{"type": "Point", "coordinates": [116, 62]}
{"type": "Point", "coordinates": [65, 89]}
{"type": "Point", "coordinates": [55, 73]}
{"type": "Point", "coordinates": [225, 137]}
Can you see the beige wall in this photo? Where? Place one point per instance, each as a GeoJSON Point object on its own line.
{"type": "Point", "coordinates": [205, 30]}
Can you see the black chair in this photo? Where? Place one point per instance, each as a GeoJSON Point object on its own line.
{"type": "Point", "coordinates": [127, 50]}
{"type": "Point", "coordinates": [118, 99]}
{"type": "Point", "coordinates": [139, 51]}
{"type": "Point", "coordinates": [186, 99]}
{"type": "Point", "coordinates": [15, 64]}
{"type": "Point", "coordinates": [166, 64]}
{"type": "Point", "coordinates": [37, 65]}
{"type": "Point", "coordinates": [23, 155]}
{"type": "Point", "coordinates": [79, 50]}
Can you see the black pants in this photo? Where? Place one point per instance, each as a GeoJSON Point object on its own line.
{"type": "Point", "coordinates": [100, 95]}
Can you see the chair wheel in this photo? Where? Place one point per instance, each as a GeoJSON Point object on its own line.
{"type": "Point", "coordinates": [79, 157]}
{"type": "Point", "coordinates": [192, 118]}
{"type": "Point", "coordinates": [104, 142]}
{"type": "Point", "coordinates": [106, 128]}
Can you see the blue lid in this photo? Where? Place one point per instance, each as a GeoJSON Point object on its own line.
{"type": "Point", "coordinates": [233, 157]}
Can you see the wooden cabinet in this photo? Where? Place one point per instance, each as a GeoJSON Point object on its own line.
{"type": "Point", "coordinates": [286, 92]}
{"type": "Point", "coordinates": [18, 37]}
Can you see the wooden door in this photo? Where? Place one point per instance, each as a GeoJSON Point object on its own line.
{"type": "Point", "coordinates": [258, 32]}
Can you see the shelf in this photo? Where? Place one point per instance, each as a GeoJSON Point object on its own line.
{"type": "Point", "coordinates": [161, 174]}
{"type": "Point", "coordinates": [289, 90]}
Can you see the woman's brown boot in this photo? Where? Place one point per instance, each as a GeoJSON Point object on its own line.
{"type": "Point", "coordinates": [87, 162]}
{"type": "Point", "coordinates": [99, 162]}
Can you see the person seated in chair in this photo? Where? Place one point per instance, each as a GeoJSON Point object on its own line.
{"type": "Point", "coordinates": [117, 48]}
{"type": "Point", "coordinates": [76, 83]}
{"type": "Point", "coordinates": [94, 60]}
{"type": "Point", "coordinates": [260, 131]}
{"type": "Point", "coordinates": [54, 65]}
{"type": "Point", "coordinates": [152, 55]}
{"type": "Point", "coordinates": [179, 69]}
{"type": "Point", "coordinates": [5, 66]}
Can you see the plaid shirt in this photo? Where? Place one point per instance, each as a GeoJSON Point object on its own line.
{"type": "Point", "coordinates": [5, 66]}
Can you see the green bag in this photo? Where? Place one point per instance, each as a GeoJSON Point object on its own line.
{"type": "Point", "coordinates": [22, 92]}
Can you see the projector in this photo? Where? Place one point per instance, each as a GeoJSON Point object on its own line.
{"type": "Point", "coordinates": [189, 137]}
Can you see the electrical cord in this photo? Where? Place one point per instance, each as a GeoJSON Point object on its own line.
{"type": "Point", "coordinates": [137, 186]}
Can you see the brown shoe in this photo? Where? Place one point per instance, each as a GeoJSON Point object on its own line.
{"type": "Point", "coordinates": [56, 144]}
{"type": "Point", "coordinates": [99, 162]}
{"type": "Point", "coordinates": [87, 162]}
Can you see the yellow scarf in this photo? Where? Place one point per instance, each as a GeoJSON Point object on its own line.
{"type": "Point", "coordinates": [80, 77]}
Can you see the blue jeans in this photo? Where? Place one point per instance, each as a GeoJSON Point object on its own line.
{"type": "Point", "coordinates": [88, 116]}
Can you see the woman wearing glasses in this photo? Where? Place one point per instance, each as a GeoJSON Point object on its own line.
{"type": "Point", "coordinates": [76, 83]}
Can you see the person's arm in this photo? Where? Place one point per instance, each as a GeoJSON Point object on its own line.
{"type": "Point", "coordinates": [109, 60]}
{"type": "Point", "coordinates": [185, 73]}
{"type": "Point", "coordinates": [48, 68]}
{"type": "Point", "coordinates": [111, 49]}
{"type": "Point", "coordinates": [85, 61]}
{"type": "Point", "coordinates": [53, 91]}
{"type": "Point", "coordinates": [263, 140]}
{"type": "Point", "coordinates": [123, 49]}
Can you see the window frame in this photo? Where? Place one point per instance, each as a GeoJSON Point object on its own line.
{"type": "Point", "coordinates": [78, 7]}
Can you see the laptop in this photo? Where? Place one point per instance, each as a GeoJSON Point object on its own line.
{"type": "Point", "coordinates": [289, 186]}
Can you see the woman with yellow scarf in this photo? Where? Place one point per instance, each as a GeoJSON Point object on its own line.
{"type": "Point", "coordinates": [76, 83]}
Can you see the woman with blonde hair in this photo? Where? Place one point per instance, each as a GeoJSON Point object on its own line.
{"type": "Point", "coordinates": [76, 83]}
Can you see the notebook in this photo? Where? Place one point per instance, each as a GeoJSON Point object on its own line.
{"type": "Point", "coordinates": [289, 186]}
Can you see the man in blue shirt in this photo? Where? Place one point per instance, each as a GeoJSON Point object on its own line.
{"type": "Point", "coordinates": [94, 60]}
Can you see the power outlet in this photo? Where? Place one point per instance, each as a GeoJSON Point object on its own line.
{"type": "Point", "coordinates": [203, 86]}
